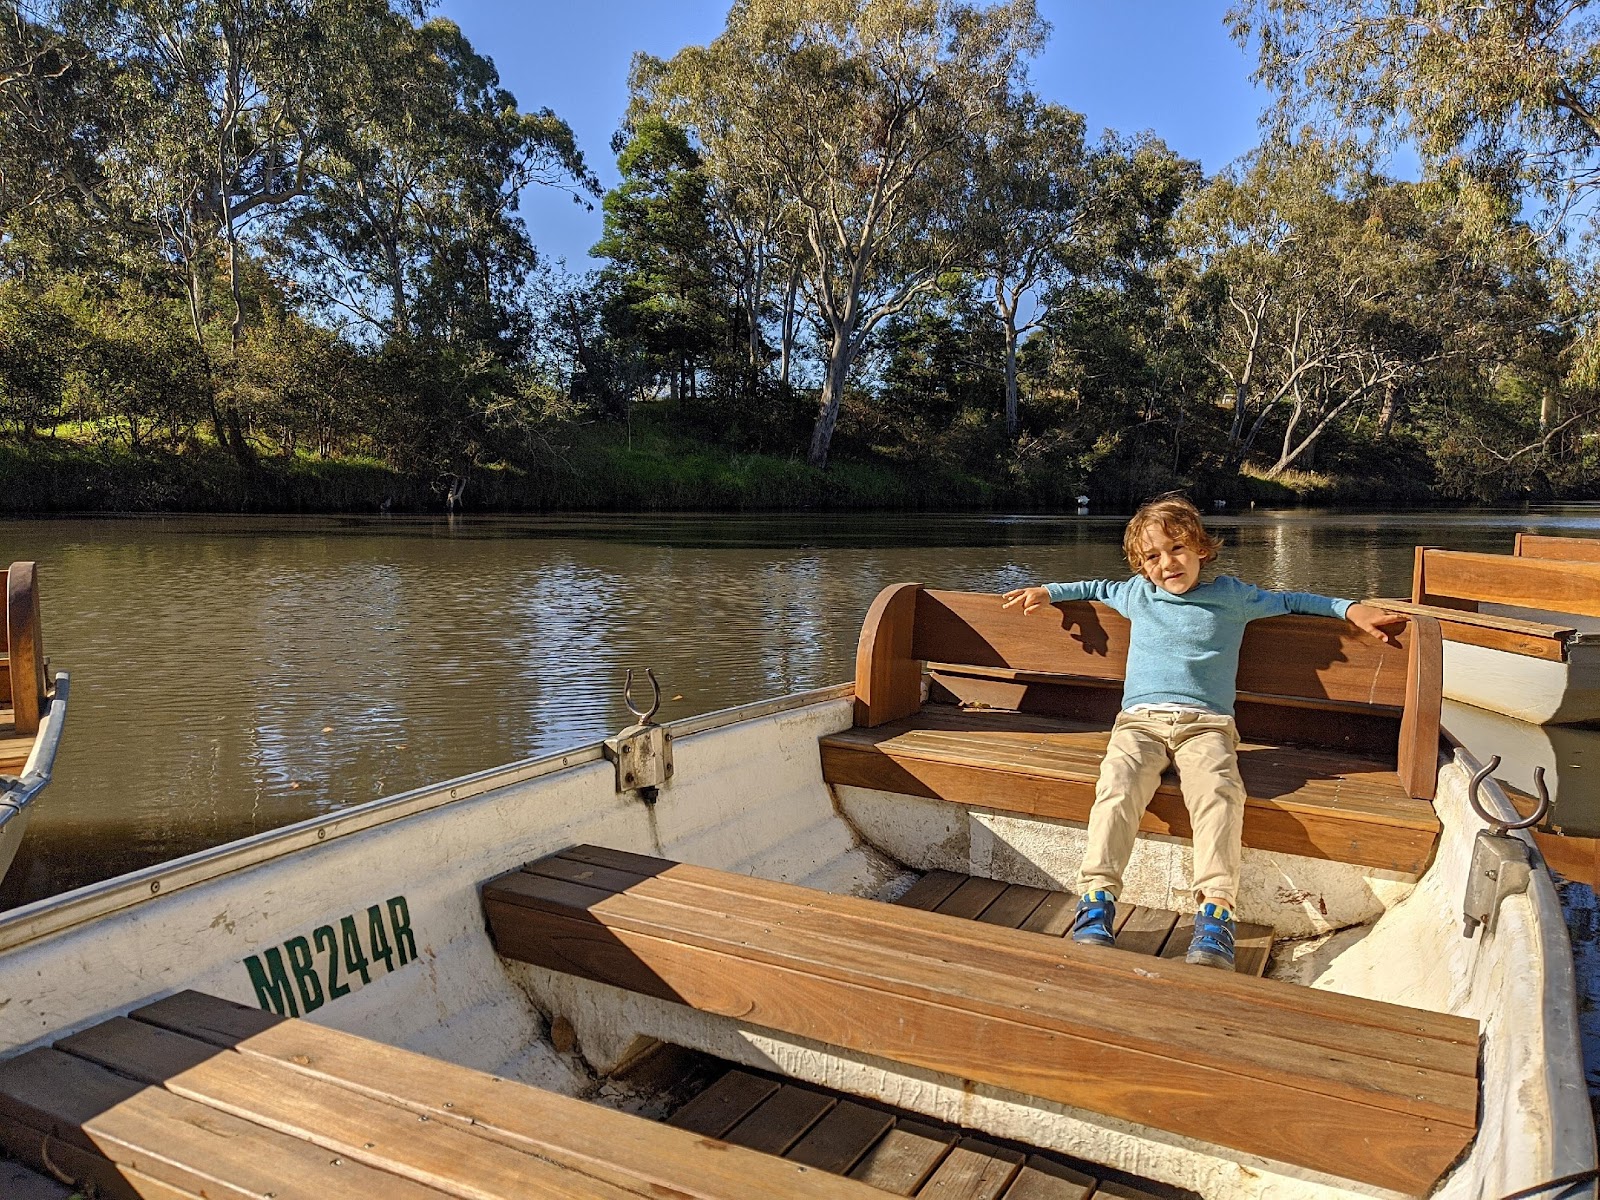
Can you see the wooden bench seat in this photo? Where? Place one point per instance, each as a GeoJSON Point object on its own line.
{"type": "Point", "coordinates": [1341, 739]}
{"type": "Point", "coordinates": [1360, 1089]}
{"type": "Point", "coordinates": [1305, 801]}
{"type": "Point", "coordinates": [194, 1096]}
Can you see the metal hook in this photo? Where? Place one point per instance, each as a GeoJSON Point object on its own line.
{"type": "Point", "coordinates": [655, 702]}
{"type": "Point", "coordinates": [1495, 824]}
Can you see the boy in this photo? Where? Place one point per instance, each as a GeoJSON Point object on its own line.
{"type": "Point", "coordinates": [1177, 709]}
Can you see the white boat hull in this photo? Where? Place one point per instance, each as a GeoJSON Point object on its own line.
{"type": "Point", "coordinates": [747, 795]}
{"type": "Point", "coordinates": [1536, 690]}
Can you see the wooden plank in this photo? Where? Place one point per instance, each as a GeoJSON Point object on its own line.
{"type": "Point", "coordinates": [25, 646]}
{"type": "Point", "coordinates": [1142, 930]}
{"type": "Point", "coordinates": [1058, 1039]}
{"type": "Point", "coordinates": [838, 1141]}
{"type": "Point", "coordinates": [1491, 622]}
{"type": "Point", "coordinates": [1054, 916]}
{"type": "Point", "coordinates": [1015, 905]}
{"type": "Point", "coordinates": [781, 1120]}
{"type": "Point", "coordinates": [1418, 752]}
{"type": "Point", "coordinates": [931, 890]}
{"type": "Point", "coordinates": [865, 923]}
{"type": "Point", "coordinates": [559, 1128]}
{"type": "Point", "coordinates": [888, 675]}
{"type": "Point", "coordinates": [1253, 948]}
{"type": "Point", "coordinates": [1311, 657]}
{"type": "Point", "coordinates": [974, 1170]}
{"type": "Point", "coordinates": [1252, 944]}
{"type": "Point", "coordinates": [1567, 549]}
{"type": "Point", "coordinates": [971, 898]}
{"type": "Point", "coordinates": [1537, 583]}
{"type": "Point", "coordinates": [451, 1157]}
{"type": "Point", "coordinates": [905, 1158]}
{"type": "Point", "coordinates": [724, 1104]}
{"type": "Point", "coordinates": [95, 1176]}
{"type": "Point", "coordinates": [838, 993]}
{"type": "Point", "coordinates": [1045, 1179]}
{"type": "Point", "coordinates": [1302, 824]}
{"type": "Point", "coordinates": [177, 1142]}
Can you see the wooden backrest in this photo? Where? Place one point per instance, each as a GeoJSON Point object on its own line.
{"type": "Point", "coordinates": [1456, 579]}
{"type": "Point", "coordinates": [1567, 549]}
{"type": "Point", "coordinates": [1291, 658]}
{"type": "Point", "coordinates": [24, 646]}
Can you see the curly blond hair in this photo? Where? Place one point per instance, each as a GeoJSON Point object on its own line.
{"type": "Point", "coordinates": [1178, 519]}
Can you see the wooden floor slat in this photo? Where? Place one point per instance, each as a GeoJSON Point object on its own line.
{"type": "Point", "coordinates": [1043, 1179]}
{"type": "Point", "coordinates": [931, 890]}
{"type": "Point", "coordinates": [781, 1120]}
{"type": "Point", "coordinates": [838, 1141]}
{"type": "Point", "coordinates": [720, 1107]}
{"type": "Point", "coordinates": [971, 898]}
{"type": "Point", "coordinates": [905, 1158]}
{"type": "Point", "coordinates": [1140, 930]}
{"type": "Point", "coordinates": [973, 1170]}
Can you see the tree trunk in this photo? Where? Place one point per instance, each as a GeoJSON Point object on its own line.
{"type": "Point", "coordinates": [1013, 418]}
{"type": "Point", "coordinates": [786, 360]}
{"type": "Point", "coordinates": [1386, 413]}
{"type": "Point", "coordinates": [833, 382]}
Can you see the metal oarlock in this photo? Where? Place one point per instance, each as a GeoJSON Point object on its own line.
{"type": "Point", "coordinates": [655, 695]}
{"type": "Point", "coordinates": [643, 751]}
{"type": "Point", "coordinates": [1495, 824]}
{"type": "Point", "coordinates": [1501, 864]}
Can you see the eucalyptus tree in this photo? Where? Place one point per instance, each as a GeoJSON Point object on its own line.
{"type": "Point", "coordinates": [857, 113]}
{"type": "Point", "coordinates": [1030, 196]}
{"type": "Point", "coordinates": [1497, 96]}
{"type": "Point", "coordinates": [410, 227]}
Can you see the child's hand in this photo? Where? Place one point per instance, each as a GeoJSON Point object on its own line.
{"type": "Point", "coordinates": [1376, 621]}
{"type": "Point", "coordinates": [1029, 598]}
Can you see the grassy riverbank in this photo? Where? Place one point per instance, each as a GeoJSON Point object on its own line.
{"type": "Point", "coordinates": [604, 469]}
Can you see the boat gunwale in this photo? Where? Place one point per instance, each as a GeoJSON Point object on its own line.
{"type": "Point", "coordinates": [15, 794]}
{"type": "Point", "coordinates": [1572, 1124]}
{"type": "Point", "coordinates": [56, 914]}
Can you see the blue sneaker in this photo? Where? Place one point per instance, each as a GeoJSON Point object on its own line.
{"type": "Point", "coordinates": [1212, 943]}
{"type": "Point", "coordinates": [1097, 912]}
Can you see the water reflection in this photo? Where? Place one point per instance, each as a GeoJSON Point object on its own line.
{"type": "Point", "coordinates": [236, 674]}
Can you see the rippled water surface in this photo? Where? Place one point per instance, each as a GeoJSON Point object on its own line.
{"type": "Point", "coordinates": [235, 674]}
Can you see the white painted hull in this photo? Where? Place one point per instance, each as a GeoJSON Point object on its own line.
{"type": "Point", "coordinates": [1536, 690]}
{"type": "Point", "coordinates": [747, 795]}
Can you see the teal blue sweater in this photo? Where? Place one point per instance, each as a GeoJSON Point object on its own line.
{"type": "Point", "coordinates": [1185, 649]}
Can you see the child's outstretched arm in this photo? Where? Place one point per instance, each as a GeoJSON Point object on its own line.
{"type": "Point", "coordinates": [1377, 622]}
{"type": "Point", "coordinates": [1107, 591]}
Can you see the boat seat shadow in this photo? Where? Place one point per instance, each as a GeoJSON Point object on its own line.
{"type": "Point", "coordinates": [1340, 732]}
{"type": "Point", "coordinates": [195, 1096]}
{"type": "Point", "coordinates": [1357, 1088]}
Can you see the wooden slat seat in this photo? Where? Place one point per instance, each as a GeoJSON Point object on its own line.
{"type": "Point", "coordinates": [1341, 741]}
{"type": "Point", "coordinates": [1305, 801]}
{"type": "Point", "coordinates": [1360, 1089]}
{"type": "Point", "coordinates": [194, 1096]}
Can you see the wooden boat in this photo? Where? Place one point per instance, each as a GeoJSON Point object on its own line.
{"type": "Point", "coordinates": [852, 900]}
{"type": "Point", "coordinates": [1522, 631]}
{"type": "Point", "coordinates": [33, 708]}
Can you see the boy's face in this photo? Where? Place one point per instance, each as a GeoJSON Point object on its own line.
{"type": "Point", "coordinates": [1170, 564]}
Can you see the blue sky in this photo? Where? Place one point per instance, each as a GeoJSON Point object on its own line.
{"type": "Point", "coordinates": [1163, 65]}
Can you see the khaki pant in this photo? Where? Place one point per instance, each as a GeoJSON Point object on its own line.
{"type": "Point", "coordinates": [1204, 748]}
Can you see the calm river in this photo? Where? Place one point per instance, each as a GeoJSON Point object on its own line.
{"type": "Point", "coordinates": [235, 674]}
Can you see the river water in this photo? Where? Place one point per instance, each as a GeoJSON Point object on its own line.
{"type": "Point", "coordinates": [230, 675]}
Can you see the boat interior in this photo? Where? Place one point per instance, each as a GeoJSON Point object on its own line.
{"type": "Point", "coordinates": [817, 949]}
